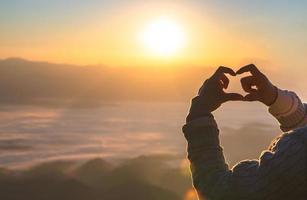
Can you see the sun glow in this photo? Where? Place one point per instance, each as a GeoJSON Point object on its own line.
{"type": "Point", "coordinates": [163, 37]}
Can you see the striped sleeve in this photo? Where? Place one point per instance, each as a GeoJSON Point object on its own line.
{"type": "Point", "coordinates": [289, 110]}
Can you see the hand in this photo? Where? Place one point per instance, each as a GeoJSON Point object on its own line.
{"type": "Point", "coordinates": [211, 95]}
{"type": "Point", "coordinates": [264, 92]}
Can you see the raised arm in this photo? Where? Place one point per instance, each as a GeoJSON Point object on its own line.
{"type": "Point", "coordinates": [284, 105]}
{"type": "Point", "coordinates": [273, 176]}
{"type": "Point", "coordinates": [211, 176]}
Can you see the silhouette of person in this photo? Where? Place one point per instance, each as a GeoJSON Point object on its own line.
{"type": "Point", "coordinates": [281, 171]}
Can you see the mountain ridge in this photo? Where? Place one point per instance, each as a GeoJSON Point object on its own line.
{"type": "Point", "coordinates": [30, 82]}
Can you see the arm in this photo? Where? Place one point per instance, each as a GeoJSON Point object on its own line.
{"type": "Point", "coordinates": [204, 151]}
{"type": "Point", "coordinates": [211, 175]}
{"type": "Point", "coordinates": [271, 177]}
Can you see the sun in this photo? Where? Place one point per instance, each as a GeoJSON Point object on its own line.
{"type": "Point", "coordinates": [163, 37]}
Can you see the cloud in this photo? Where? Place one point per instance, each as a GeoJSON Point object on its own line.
{"type": "Point", "coordinates": [121, 131]}
{"type": "Point", "coordinates": [13, 145]}
{"type": "Point", "coordinates": [163, 171]}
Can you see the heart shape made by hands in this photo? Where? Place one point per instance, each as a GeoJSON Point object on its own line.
{"type": "Point", "coordinates": [235, 84]}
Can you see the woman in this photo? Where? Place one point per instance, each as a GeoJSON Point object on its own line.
{"type": "Point", "coordinates": [280, 173]}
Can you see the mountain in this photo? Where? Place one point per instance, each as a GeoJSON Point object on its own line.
{"type": "Point", "coordinates": [139, 190]}
{"type": "Point", "coordinates": [92, 180]}
{"type": "Point", "coordinates": [43, 188]}
{"type": "Point", "coordinates": [42, 83]}
{"type": "Point", "coordinates": [29, 82]}
{"type": "Point", "coordinates": [95, 173]}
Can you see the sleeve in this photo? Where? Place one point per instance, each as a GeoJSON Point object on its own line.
{"type": "Point", "coordinates": [289, 110]}
{"type": "Point", "coordinates": [270, 177]}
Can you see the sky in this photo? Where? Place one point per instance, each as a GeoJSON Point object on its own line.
{"type": "Point", "coordinates": [232, 32]}
{"type": "Point", "coordinates": [127, 35]}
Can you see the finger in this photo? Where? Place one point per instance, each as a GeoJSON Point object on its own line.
{"type": "Point", "coordinates": [248, 83]}
{"type": "Point", "coordinates": [233, 97]}
{"type": "Point", "coordinates": [225, 81]}
{"type": "Point", "coordinates": [223, 70]}
{"type": "Point", "coordinates": [254, 96]}
{"type": "Point", "coordinates": [249, 68]}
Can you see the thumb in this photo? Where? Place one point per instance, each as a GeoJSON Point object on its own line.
{"type": "Point", "coordinates": [252, 97]}
{"type": "Point", "coordinates": [233, 97]}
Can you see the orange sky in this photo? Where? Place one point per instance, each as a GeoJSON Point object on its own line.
{"type": "Point", "coordinates": [108, 33]}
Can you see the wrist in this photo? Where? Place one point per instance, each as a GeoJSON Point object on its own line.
{"type": "Point", "coordinates": [198, 109]}
{"type": "Point", "coordinates": [196, 115]}
{"type": "Point", "coordinates": [273, 98]}
{"type": "Point", "coordinates": [193, 132]}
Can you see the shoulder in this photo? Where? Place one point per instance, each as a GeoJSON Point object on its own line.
{"type": "Point", "coordinates": [292, 139]}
